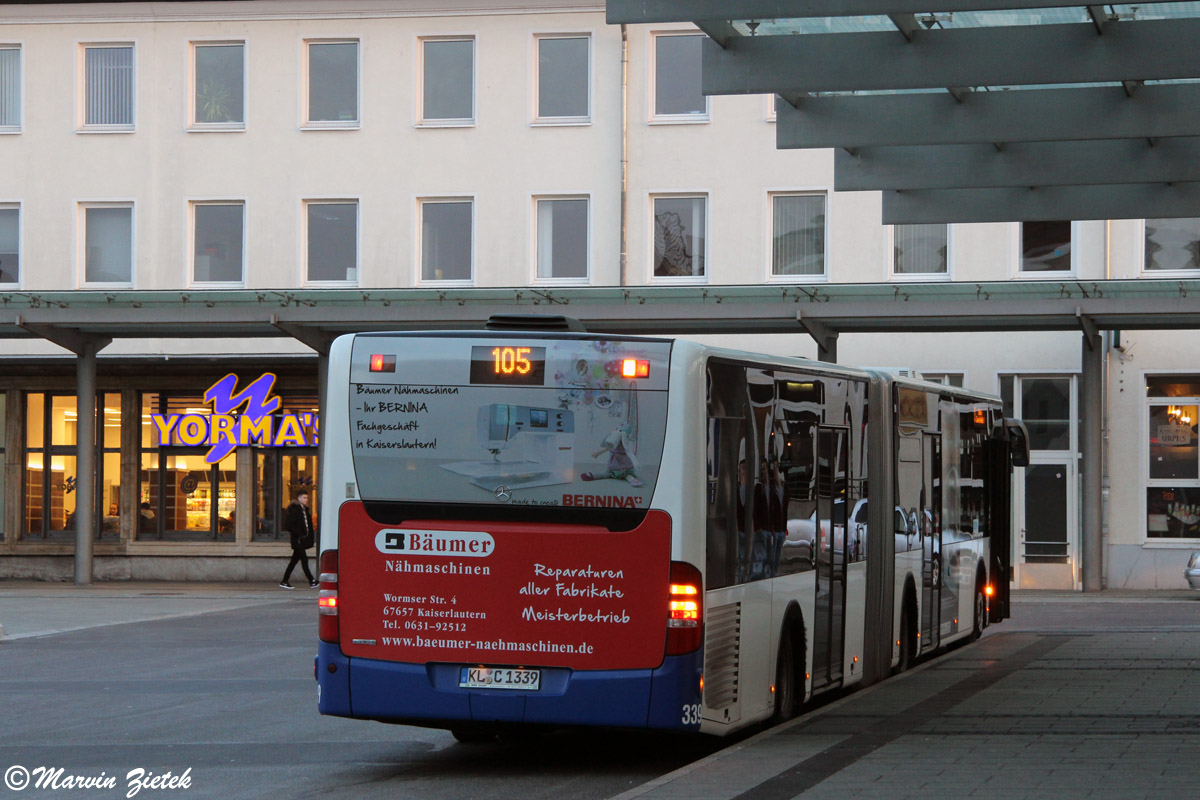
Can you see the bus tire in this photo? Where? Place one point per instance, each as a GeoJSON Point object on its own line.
{"type": "Point", "coordinates": [908, 643]}
{"type": "Point", "coordinates": [473, 735]}
{"type": "Point", "coordinates": [979, 621]}
{"type": "Point", "coordinates": [787, 690]}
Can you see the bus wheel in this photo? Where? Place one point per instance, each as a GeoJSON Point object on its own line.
{"type": "Point", "coordinates": [786, 689]}
{"type": "Point", "coordinates": [980, 613]}
{"type": "Point", "coordinates": [473, 735]}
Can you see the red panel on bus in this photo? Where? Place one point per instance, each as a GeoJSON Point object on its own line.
{"type": "Point", "coordinates": [503, 593]}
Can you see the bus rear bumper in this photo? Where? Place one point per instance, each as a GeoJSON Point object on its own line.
{"type": "Point", "coordinates": [667, 697]}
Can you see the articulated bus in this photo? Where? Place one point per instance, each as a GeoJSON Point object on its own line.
{"type": "Point", "coordinates": [545, 527]}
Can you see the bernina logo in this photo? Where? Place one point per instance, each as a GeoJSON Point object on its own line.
{"type": "Point", "coordinates": [473, 544]}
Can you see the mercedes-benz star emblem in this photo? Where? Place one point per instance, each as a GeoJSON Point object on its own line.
{"type": "Point", "coordinates": [503, 494]}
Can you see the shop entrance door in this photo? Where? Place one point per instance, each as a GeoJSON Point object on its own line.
{"type": "Point", "coordinates": [1046, 493]}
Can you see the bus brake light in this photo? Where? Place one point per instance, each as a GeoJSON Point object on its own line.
{"type": "Point", "coordinates": [685, 612]}
{"type": "Point", "coordinates": [328, 625]}
{"type": "Point", "coordinates": [382, 363]}
{"type": "Point", "coordinates": [635, 368]}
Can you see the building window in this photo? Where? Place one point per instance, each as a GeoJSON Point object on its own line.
{"type": "Point", "coordinates": [50, 466]}
{"type": "Point", "coordinates": [108, 243]}
{"type": "Point", "coordinates": [10, 88]}
{"type": "Point", "coordinates": [680, 237]}
{"type": "Point", "coordinates": [218, 231]}
{"type": "Point", "coordinates": [332, 98]}
{"type": "Point", "coordinates": [218, 89]}
{"type": "Point", "coordinates": [108, 100]}
{"type": "Point", "coordinates": [562, 238]}
{"type": "Point", "coordinates": [3, 460]}
{"type": "Point", "coordinates": [1173, 492]}
{"type": "Point", "coordinates": [332, 249]}
{"type": "Point", "coordinates": [448, 81]}
{"type": "Point", "coordinates": [563, 87]}
{"type": "Point", "coordinates": [677, 94]}
{"type": "Point", "coordinates": [920, 249]}
{"type": "Point", "coordinates": [447, 253]}
{"type": "Point", "coordinates": [10, 244]}
{"type": "Point", "coordinates": [1046, 246]}
{"type": "Point", "coordinates": [797, 235]}
{"type": "Point", "coordinates": [944, 378]}
{"type": "Point", "coordinates": [1173, 244]}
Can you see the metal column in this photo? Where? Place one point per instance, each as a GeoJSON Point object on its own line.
{"type": "Point", "coordinates": [1091, 405]}
{"type": "Point", "coordinates": [85, 460]}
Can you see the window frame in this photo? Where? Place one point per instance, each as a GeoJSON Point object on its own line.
{"type": "Point", "coordinates": [449, 122]}
{"type": "Point", "coordinates": [82, 125]}
{"type": "Point", "coordinates": [543, 121]}
{"type": "Point", "coordinates": [538, 197]}
{"type": "Point", "coordinates": [82, 207]}
{"type": "Point", "coordinates": [19, 127]}
{"type": "Point", "coordinates": [196, 126]}
{"type": "Point", "coordinates": [771, 194]}
{"type": "Point", "coordinates": [190, 243]}
{"type": "Point", "coordinates": [677, 280]}
{"type": "Point", "coordinates": [305, 202]}
{"type": "Point", "coordinates": [1161, 273]}
{"type": "Point", "coordinates": [653, 117]}
{"type": "Point", "coordinates": [418, 262]}
{"type": "Point", "coordinates": [1018, 247]}
{"type": "Point", "coordinates": [919, 277]}
{"type": "Point", "coordinates": [16, 205]}
{"type": "Point", "coordinates": [305, 85]}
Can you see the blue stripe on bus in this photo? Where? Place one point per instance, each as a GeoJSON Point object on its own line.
{"type": "Point", "coordinates": [370, 689]}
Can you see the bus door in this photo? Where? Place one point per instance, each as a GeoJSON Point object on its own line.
{"type": "Point", "coordinates": [930, 526]}
{"type": "Point", "coordinates": [830, 623]}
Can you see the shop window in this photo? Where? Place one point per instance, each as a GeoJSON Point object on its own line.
{"type": "Point", "coordinates": [218, 88]}
{"type": "Point", "coordinates": [1173, 493]}
{"type": "Point", "coordinates": [797, 235]}
{"type": "Point", "coordinates": [108, 99]}
{"type": "Point", "coordinates": [51, 478]}
{"type": "Point", "coordinates": [281, 475]}
{"type": "Point", "coordinates": [562, 79]}
{"type": "Point", "coordinates": [3, 472]}
{"type": "Point", "coordinates": [680, 235]}
{"type": "Point", "coordinates": [677, 93]}
{"type": "Point", "coordinates": [332, 97]}
{"type": "Point", "coordinates": [188, 498]}
{"type": "Point", "coordinates": [448, 81]}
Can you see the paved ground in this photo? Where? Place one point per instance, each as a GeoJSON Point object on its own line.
{"type": "Point", "coordinates": [1077, 696]}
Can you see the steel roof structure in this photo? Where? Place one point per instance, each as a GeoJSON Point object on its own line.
{"type": "Point", "coordinates": [971, 110]}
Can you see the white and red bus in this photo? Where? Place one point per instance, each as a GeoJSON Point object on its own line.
{"type": "Point", "coordinates": [545, 527]}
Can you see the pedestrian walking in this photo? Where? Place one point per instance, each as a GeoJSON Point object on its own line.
{"type": "Point", "coordinates": [298, 523]}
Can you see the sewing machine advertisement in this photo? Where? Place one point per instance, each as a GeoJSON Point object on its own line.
{"type": "Point", "coordinates": [576, 422]}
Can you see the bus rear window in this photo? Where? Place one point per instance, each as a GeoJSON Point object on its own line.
{"type": "Point", "coordinates": [537, 422]}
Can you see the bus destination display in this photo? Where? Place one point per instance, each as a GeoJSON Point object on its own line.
{"type": "Point", "coordinates": [508, 365]}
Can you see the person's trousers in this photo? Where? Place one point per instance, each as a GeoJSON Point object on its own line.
{"type": "Point", "coordinates": [298, 557]}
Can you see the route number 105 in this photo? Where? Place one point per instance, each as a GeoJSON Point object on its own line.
{"type": "Point", "coordinates": [512, 359]}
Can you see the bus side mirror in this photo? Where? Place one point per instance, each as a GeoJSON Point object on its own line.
{"type": "Point", "coordinates": [1018, 442]}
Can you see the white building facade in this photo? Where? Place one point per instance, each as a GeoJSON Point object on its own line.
{"type": "Point", "coordinates": [295, 145]}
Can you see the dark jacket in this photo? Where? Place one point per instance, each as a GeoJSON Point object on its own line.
{"type": "Point", "coordinates": [298, 524]}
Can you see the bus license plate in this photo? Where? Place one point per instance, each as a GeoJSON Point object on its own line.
{"type": "Point", "coordinates": [499, 678]}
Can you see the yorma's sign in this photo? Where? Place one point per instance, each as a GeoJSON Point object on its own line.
{"type": "Point", "coordinates": [238, 419]}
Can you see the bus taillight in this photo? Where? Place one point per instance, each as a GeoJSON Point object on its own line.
{"type": "Point", "coordinates": [685, 609]}
{"type": "Point", "coordinates": [327, 599]}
